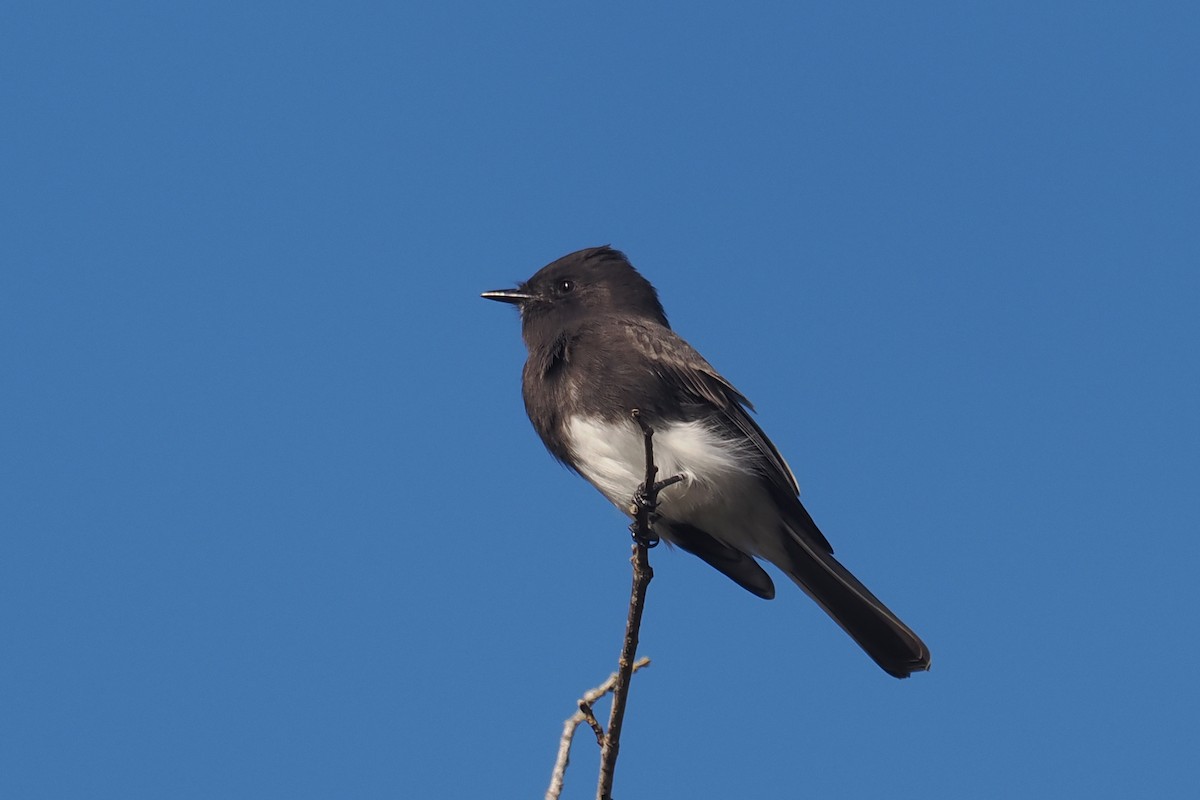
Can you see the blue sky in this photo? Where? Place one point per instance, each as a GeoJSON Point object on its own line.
{"type": "Point", "coordinates": [274, 522]}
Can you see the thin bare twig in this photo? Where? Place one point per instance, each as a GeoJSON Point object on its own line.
{"type": "Point", "coordinates": [589, 698]}
{"type": "Point", "coordinates": [644, 505]}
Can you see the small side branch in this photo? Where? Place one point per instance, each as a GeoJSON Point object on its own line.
{"type": "Point", "coordinates": [584, 714]}
{"type": "Point", "coordinates": [589, 717]}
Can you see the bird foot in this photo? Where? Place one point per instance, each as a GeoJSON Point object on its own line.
{"type": "Point", "coordinates": [648, 542]}
{"type": "Point", "coordinates": [645, 507]}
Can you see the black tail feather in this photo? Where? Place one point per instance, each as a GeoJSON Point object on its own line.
{"type": "Point", "coordinates": [879, 632]}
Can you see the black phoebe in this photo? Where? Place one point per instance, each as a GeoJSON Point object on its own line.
{"type": "Point", "coordinates": [600, 346]}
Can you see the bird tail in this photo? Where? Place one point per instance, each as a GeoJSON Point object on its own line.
{"type": "Point", "coordinates": [878, 631]}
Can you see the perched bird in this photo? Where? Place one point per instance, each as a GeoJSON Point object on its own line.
{"type": "Point", "coordinates": [599, 347]}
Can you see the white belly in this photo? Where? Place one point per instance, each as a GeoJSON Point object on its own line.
{"type": "Point", "coordinates": [720, 493]}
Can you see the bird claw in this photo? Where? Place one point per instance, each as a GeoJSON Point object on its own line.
{"type": "Point", "coordinates": [643, 509]}
{"type": "Point", "coordinates": [641, 497]}
{"type": "Point", "coordinates": [642, 501]}
{"type": "Point", "coordinates": [643, 505]}
{"type": "Point", "coordinates": [650, 542]}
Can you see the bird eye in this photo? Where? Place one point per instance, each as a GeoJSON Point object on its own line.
{"type": "Point", "coordinates": [564, 287]}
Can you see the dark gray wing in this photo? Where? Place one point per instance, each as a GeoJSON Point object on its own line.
{"type": "Point", "coordinates": [679, 362]}
{"type": "Point", "coordinates": [743, 569]}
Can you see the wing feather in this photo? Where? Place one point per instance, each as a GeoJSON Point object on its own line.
{"type": "Point", "coordinates": [680, 362]}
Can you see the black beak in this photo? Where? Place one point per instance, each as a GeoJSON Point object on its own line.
{"type": "Point", "coordinates": [514, 296]}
